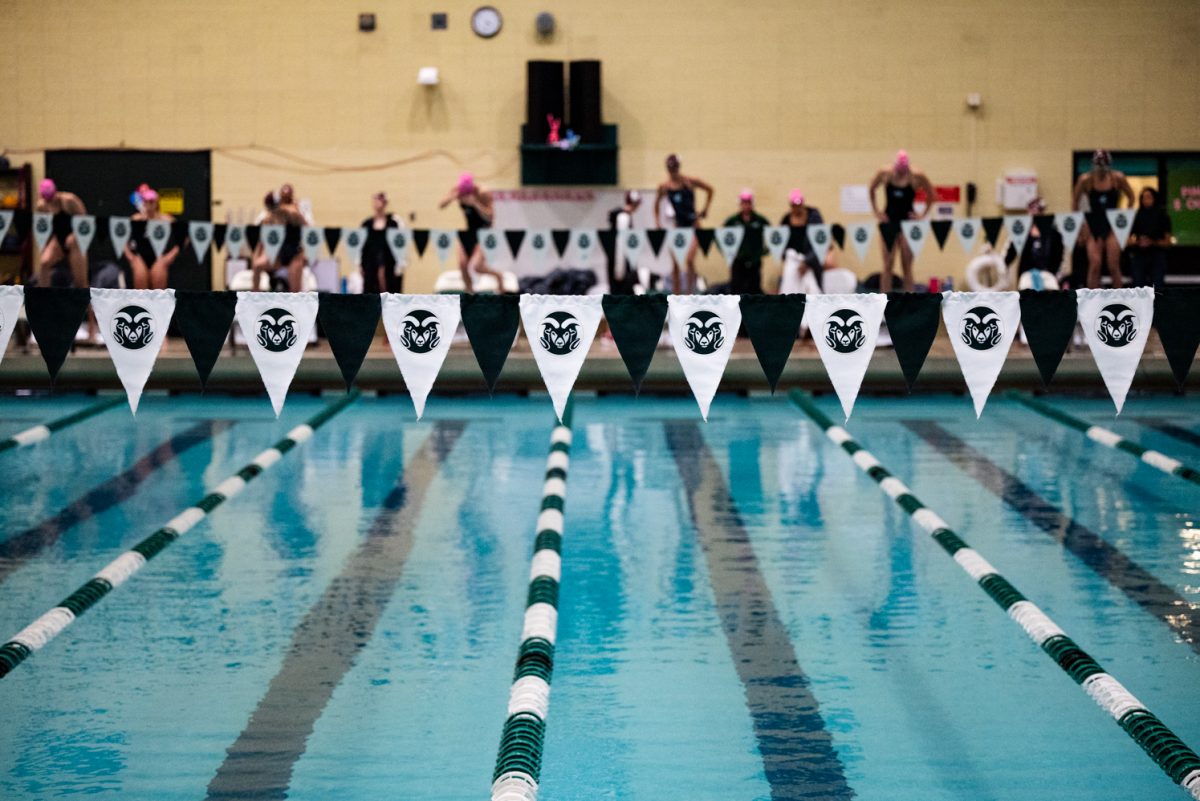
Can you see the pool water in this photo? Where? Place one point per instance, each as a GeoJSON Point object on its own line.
{"type": "Point", "coordinates": [742, 614]}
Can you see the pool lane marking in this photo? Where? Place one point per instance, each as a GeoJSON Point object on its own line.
{"type": "Point", "coordinates": [1104, 558]}
{"type": "Point", "coordinates": [37, 634]}
{"type": "Point", "coordinates": [20, 548]}
{"type": "Point", "coordinates": [519, 757]}
{"type": "Point", "coordinates": [797, 749]}
{"type": "Point", "coordinates": [40, 433]}
{"type": "Point", "coordinates": [1110, 439]}
{"type": "Point", "coordinates": [325, 644]}
{"type": "Point", "coordinates": [1170, 753]}
{"type": "Point", "coordinates": [1171, 430]}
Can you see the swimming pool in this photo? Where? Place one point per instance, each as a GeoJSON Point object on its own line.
{"type": "Point", "coordinates": [742, 613]}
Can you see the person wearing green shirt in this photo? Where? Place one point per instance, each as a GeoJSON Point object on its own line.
{"type": "Point", "coordinates": [745, 274]}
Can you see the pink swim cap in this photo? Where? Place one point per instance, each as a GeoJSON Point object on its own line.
{"type": "Point", "coordinates": [47, 189]}
{"type": "Point", "coordinates": [796, 197]}
{"type": "Point", "coordinates": [149, 195]}
{"type": "Point", "coordinates": [746, 194]}
{"type": "Point", "coordinates": [466, 182]}
{"type": "Point", "coordinates": [901, 160]}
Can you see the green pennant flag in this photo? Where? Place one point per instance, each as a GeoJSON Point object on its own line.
{"type": "Point", "coordinates": [889, 231]}
{"type": "Point", "coordinates": [656, 237]}
{"type": "Point", "coordinates": [912, 323]}
{"type": "Point", "coordinates": [941, 231]}
{"type": "Point", "coordinates": [54, 316]}
{"type": "Point", "coordinates": [491, 324]}
{"type": "Point", "coordinates": [636, 323]}
{"type": "Point", "coordinates": [349, 323]}
{"type": "Point", "coordinates": [420, 240]}
{"type": "Point", "coordinates": [773, 323]}
{"type": "Point", "coordinates": [1178, 328]}
{"type": "Point", "coordinates": [1049, 321]}
{"type": "Point", "coordinates": [204, 319]}
{"type": "Point", "coordinates": [991, 229]}
{"type": "Point", "coordinates": [704, 237]}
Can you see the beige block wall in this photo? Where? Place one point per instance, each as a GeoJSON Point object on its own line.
{"type": "Point", "coordinates": [770, 95]}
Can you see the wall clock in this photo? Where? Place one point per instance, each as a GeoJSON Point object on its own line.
{"type": "Point", "coordinates": [486, 21]}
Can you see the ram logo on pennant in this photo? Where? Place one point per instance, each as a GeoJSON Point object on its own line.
{"type": "Point", "coordinates": [133, 327]}
{"type": "Point", "coordinates": [276, 330]}
{"type": "Point", "coordinates": [981, 328]}
{"type": "Point", "coordinates": [560, 333]}
{"type": "Point", "coordinates": [420, 331]}
{"type": "Point", "coordinates": [704, 333]}
{"type": "Point", "coordinates": [844, 331]}
{"type": "Point", "coordinates": [1116, 325]}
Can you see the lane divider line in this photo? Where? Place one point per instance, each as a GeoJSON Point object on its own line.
{"type": "Point", "coordinates": [37, 634]}
{"type": "Point", "coordinates": [1170, 753]}
{"type": "Point", "coordinates": [519, 760]}
{"type": "Point", "coordinates": [1111, 439]}
{"type": "Point", "coordinates": [40, 433]}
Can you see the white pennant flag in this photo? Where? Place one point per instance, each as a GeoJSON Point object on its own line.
{"type": "Point", "coordinates": [310, 240]}
{"type": "Point", "coordinates": [1121, 221]}
{"type": "Point", "coordinates": [271, 237]}
{"type": "Point", "coordinates": [981, 327]}
{"type": "Point", "coordinates": [820, 237]}
{"type": "Point", "coordinates": [634, 240]}
{"type": "Point", "coordinates": [490, 243]}
{"type": "Point", "coordinates": [134, 322]}
{"type": "Point", "coordinates": [354, 239]}
{"type": "Point", "coordinates": [1017, 226]}
{"type": "Point", "coordinates": [84, 228]}
{"type": "Point", "coordinates": [443, 243]}
{"type": "Point", "coordinates": [860, 235]}
{"type": "Point", "coordinates": [43, 227]}
{"type": "Point", "coordinates": [776, 238]}
{"type": "Point", "coordinates": [537, 245]}
{"type": "Point", "coordinates": [584, 240]}
{"type": "Point", "coordinates": [845, 329]}
{"type": "Point", "coordinates": [1068, 225]}
{"type": "Point", "coordinates": [680, 241]}
{"type": "Point", "coordinates": [560, 330]}
{"type": "Point", "coordinates": [1116, 323]}
{"type": "Point", "coordinates": [703, 329]}
{"type": "Point", "coordinates": [235, 239]}
{"type": "Point", "coordinates": [277, 326]}
{"type": "Point", "coordinates": [729, 239]}
{"type": "Point", "coordinates": [158, 232]}
{"type": "Point", "coordinates": [967, 229]}
{"type": "Point", "coordinates": [201, 234]}
{"type": "Point", "coordinates": [6, 218]}
{"type": "Point", "coordinates": [420, 329]}
{"type": "Point", "coordinates": [119, 231]}
{"type": "Point", "coordinates": [397, 240]}
{"type": "Point", "coordinates": [916, 233]}
{"type": "Point", "coordinates": [11, 298]}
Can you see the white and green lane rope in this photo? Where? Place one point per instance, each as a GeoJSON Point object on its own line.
{"type": "Point", "coordinates": [1111, 439]}
{"type": "Point", "coordinates": [40, 433]}
{"type": "Point", "coordinates": [1170, 753]}
{"type": "Point", "coordinates": [37, 634]}
{"type": "Point", "coordinates": [519, 760]}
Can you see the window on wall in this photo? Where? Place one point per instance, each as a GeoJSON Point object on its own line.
{"type": "Point", "coordinates": [1174, 174]}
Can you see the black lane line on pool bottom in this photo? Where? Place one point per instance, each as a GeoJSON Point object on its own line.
{"type": "Point", "coordinates": [1171, 430]}
{"type": "Point", "coordinates": [20, 548]}
{"type": "Point", "coordinates": [1108, 561]}
{"type": "Point", "coordinates": [324, 646]}
{"type": "Point", "coordinates": [797, 749]}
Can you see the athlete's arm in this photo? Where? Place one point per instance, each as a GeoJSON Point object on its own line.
{"type": "Point", "coordinates": [922, 180]}
{"type": "Point", "coordinates": [877, 182]}
{"type": "Point", "coordinates": [1081, 188]}
{"type": "Point", "coordinates": [708, 194]}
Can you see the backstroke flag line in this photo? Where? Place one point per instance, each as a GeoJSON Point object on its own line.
{"type": "Point", "coordinates": [560, 330]}
{"type": "Point", "coordinates": [420, 329]}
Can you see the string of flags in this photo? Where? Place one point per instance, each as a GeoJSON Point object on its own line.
{"type": "Point", "coordinates": [560, 330]}
{"type": "Point", "coordinates": [537, 244]}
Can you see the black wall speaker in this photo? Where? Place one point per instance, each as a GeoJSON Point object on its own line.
{"type": "Point", "coordinates": [586, 118]}
{"type": "Point", "coordinates": [544, 94]}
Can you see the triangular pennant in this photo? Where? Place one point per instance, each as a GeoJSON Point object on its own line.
{"type": "Point", "coordinates": [705, 238]}
{"type": "Point", "coordinates": [1048, 318]}
{"type": "Point", "coordinates": [585, 243]}
{"type": "Point", "coordinates": [941, 231]}
{"type": "Point", "coordinates": [636, 323]}
{"type": "Point", "coordinates": [1068, 224]}
{"type": "Point", "coordinates": [397, 242]}
{"type": "Point", "coordinates": [1017, 227]}
{"type": "Point", "coordinates": [218, 240]}
{"type": "Point", "coordinates": [84, 228]}
{"type": "Point", "coordinates": [560, 330]}
{"type": "Point", "coordinates": [420, 241]}
{"type": "Point", "coordinates": [845, 329]}
{"type": "Point", "coordinates": [469, 240]}
{"type": "Point", "coordinates": [1121, 221]}
{"type": "Point", "coordinates": [11, 298]}
{"type": "Point", "coordinates": [443, 243]}
{"type": "Point", "coordinates": [349, 323]}
{"type": "Point", "coordinates": [860, 237]}
{"type": "Point", "coordinates": [332, 237]}
{"type": "Point", "coordinates": [1178, 328]}
{"type": "Point", "coordinates": [703, 329]}
{"type": "Point", "coordinates": [773, 323]}
{"type": "Point", "coordinates": [158, 232]}
{"type": "Point", "coordinates": [729, 239]}
{"type": "Point", "coordinates": [204, 318]}
{"type": "Point", "coordinates": [820, 236]}
{"type": "Point", "coordinates": [491, 324]}
{"type": "Point", "coordinates": [1116, 324]}
{"type": "Point", "coordinates": [310, 241]}
{"type": "Point", "coordinates": [272, 240]}
{"type": "Point", "coordinates": [537, 245]}
{"type": "Point", "coordinates": [134, 322]}
{"type": "Point", "coordinates": [119, 229]}
{"type": "Point", "coordinates": [632, 242]}
{"type": "Point", "coordinates": [235, 240]}
{"type": "Point", "coordinates": [179, 231]}
{"type": "Point", "coordinates": [839, 234]}
{"type": "Point", "coordinates": [420, 329]}
{"type": "Point", "coordinates": [775, 237]}
{"type": "Point", "coordinates": [967, 229]}
{"type": "Point", "coordinates": [982, 326]}
{"type": "Point", "coordinates": [253, 233]}
{"type": "Point", "coordinates": [561, 239]}
{"type": "Point", "coordinates": [1044, 223]}
{"type": "Point", "coordinates": [43, 229]}
{"type": "Point", "coordinates": [916, 233]}
{"type": "Point", "coordinates": [514, 239]}
{"type": "Point", "coordinates": [889, 231]}
{"type": "Point", "coordinates": [608, 241]}
{"type": "Point", "coordinates": [912, 321]}
{"type": "Point", "coordinates": [680, 241]}
{"type": "Point", "coordinates": [6, 218]}
{"type": "Point", "coordinates": [200, 234]}
{"type": "Point", "coordinates": [277, 326]}
{"type": "Point", "coordinates": [54, 317]}
{"type": "Point", "coordinates": [991, 229]}
{"type": "Point", "coordinates": [62, 228]}
{"type": "Point", "coordinates": [490, 242]}
{"type": "Point", "coordinates": [354, 239]}
{"type": "Point", "coordinates": [797, 239]}
{"type": "Point", "coordinates": [655, 238]}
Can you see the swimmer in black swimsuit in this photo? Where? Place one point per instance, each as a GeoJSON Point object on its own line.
{"type": "Point", "coordinates": [476, 205]}
{"type": "Point", "coordinates": [680, 191]}
{"type": "Point", "coordinates": [900, 183]}
{"type": "Point", "coordinates": [150, 270]}
{"type": "Point", "coordinates": [1104, 187]}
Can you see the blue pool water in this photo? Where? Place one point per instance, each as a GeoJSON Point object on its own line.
{"type": "Point", "coordinates": [357, 609]}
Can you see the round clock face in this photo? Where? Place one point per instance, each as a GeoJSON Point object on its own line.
{"type": "Point", "coordinates": [486, 21]}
